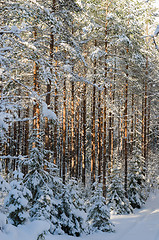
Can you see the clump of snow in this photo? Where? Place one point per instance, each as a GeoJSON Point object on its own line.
{"type": "Point", "coordinates": [47, 112]}
{"type": "Point", "coordinates": [4, 186]}
{"type": "Point", "coordinates": [14, 29]}
{"type": "Point", "coordinates": [97, 53]}
{"type": "Point", "coordinates": [67, 68]}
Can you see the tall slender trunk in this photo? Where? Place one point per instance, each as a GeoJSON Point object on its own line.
{"type": "Point", "coordinates": [145, 107]}
{"type": "Point", "coordinates": [64, 134]}
{"type": "Point", "coordinates": [148, 121]}
{"type": "Point", "coordinates": [84, 137]}
{"type": "Point", "coordinates": [15, 146]}
{"type": "Point", "coordinates": [7, 150]}
{"type": "Point", "coordinates": [110, 144]}
{"type": "Point", "coordinates": [72, 130]}
{"type": "Point", "coordinates": [77, 139]}
{"type": "Point", "coordinates": [26, 140]}
{"type": "Point", "coordinates": [118, 139]}
{"type": "Point", "coordinates": [55, 127]}
{"type": "Point", "coordinates": [36, 109]}
{"type": "Point", "coordinates": [126, 128]}
{"type": "Point", "coordinates": [132, 124]}
{"type": "Point", "coordinates": [93, 162]}
{"type": "Point", "coordinates": [48, 94]}
{"type": "Point", "coordinates": [104, 142]}
{"type": "Point", "coordinates": [19, 129]}
{"type": "Point", "coordinates": [142, 130]}
{"type": "Point", "coordinates": [145, 111]}
{"type": "Point", "coordinates": [145, 123]}
{"type": "Point", "coordinates": [99, 136]}
{"type": "Point", "coordinates": [105, 108]}
{"type": "Point", "coordinates": [121, 131]}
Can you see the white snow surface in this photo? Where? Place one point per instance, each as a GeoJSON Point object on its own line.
{"type": "Point", "coordinates": [142, 224]}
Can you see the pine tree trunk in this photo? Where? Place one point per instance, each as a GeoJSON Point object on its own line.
{"type": "Point", "coordinates": [148, 122]}
{"type": "Point", "coordinates": [7, 151]}
{"type": "Point", "coordinates": [145, 123]}
{"type": "Point", "coordinates": [99, 136]}
{"type": "Point", "coordinates": [142, 130]}
{"type": "Point", "coordinates": [132, 124]}
{"type": "Point", "coordinates": [72, 131]}
{"type": "Point", "coordinates": [110, 144]}
{"type": "Point", "coordinates": [26, 141]}
{"type": "Point", "coordinates": [126, 129]}
{"type": "Point", "coordinates": [93, 162]}
{"type": "Point", "coordinates": [15, 146]}
{"type": "Point", "coordinates": [64, 134]}
{"type": "Point", "coordinates": [77, 140]}
{"type": "Point", "coordinates": [105, 108]}
{"type": "Point", "coordinates": [48, 95]}
{"type": "Point", "coordinates": [121, 132]}
{"type": "Point", "coordinates": [36, 109]}
{"type": "Point", "coordinates": [84, 137]}
{"type": "Point", "coordinates": [104, 142]}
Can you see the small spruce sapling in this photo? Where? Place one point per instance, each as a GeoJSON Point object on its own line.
{"type": "Point", "coordinates": [17, 200]}
{"type": "Point", "coordinates": [69, 214]}
{"type": "Point", "coordinates": [44, 184]}
{"type": "Point", "coordinates": [116, 199]}
{"type": "Point", "coordinates": [98, 217]}
{"type": "Point", "coordinates": [137, 189]}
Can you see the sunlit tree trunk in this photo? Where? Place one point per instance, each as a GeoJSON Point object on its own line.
{"type": "Point", "coordinates": [64, 133]}
{"type": "Point", "coordinates": [72, 131]}
{"type": "Point", "coordinates": [132, 124]}
{"type": "Point", "coordinates": [110, 143]}
{"type": "Point", "coordinates": [104, 102]}
{"type": "Point", "coordinates": [84, 136]}
{"type": "Point", "coordinates": [93, 162]}
{"type": "Point", "coordinates": [99, 136]}
{"type": "Point", "coordinates": [36, 109]}
{"type": "Point", "coordinates": [126, 128]}
{"type": "Point", "coordinates": [77, 137]}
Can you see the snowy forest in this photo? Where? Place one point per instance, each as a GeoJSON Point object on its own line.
{"type": "Point", "coordinates": [78, 113]}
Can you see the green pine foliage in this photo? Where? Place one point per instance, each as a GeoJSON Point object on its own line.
{"type": "Point", "coordinates": [17, 201]}
{"type": "Point", "coordinates": [45, 186]}
{"type": "Point", "coordinates": [69, 213]}
{"type": "Point", "coordinates": [98, 217]}
{"type": "Point", "coordinates": [76, 192]}
{"type": "Point", "coordinates": [137, 188]}
{"type": "Point", "coordinates": [116, 199]}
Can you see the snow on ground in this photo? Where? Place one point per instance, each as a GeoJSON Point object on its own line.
{"type": "Point", "coordinates": [142, 224]}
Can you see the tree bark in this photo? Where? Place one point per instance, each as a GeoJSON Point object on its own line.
{"type": "Point", "coordinates": [93, 162]}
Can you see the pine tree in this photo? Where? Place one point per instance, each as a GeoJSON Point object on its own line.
{"type": "Point", "coordinates": [18, 200]}
{"type": "Point", "coordinates": [98, 216]}
{"type": "Point", "coordinates": [69, 213]}
{"type": "Point", "coordinates": [137, 187]}
{"type": "Point", "coordinates": [116, 199]}
{"type": "Point", "coordinates": [44, 184]}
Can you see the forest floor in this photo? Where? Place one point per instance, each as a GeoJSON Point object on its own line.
{"type": "Point", "coordinates": [143, 224]}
